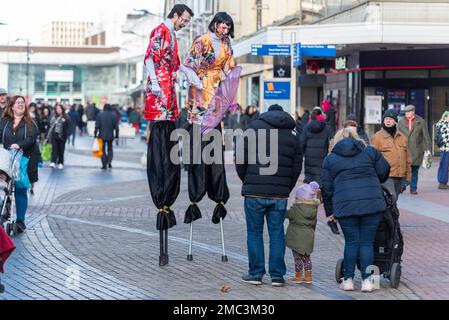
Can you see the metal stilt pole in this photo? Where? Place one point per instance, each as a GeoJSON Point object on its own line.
{"type": "Point", "coordinates": [190, 256]}
{"type": "Point", "coordinates": [224, 258]}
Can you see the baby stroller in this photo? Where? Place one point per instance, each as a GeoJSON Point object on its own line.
{"type": "Point", "coordinates": [388, 245]}
{"type": "Point", "coordinates": [10, 166]}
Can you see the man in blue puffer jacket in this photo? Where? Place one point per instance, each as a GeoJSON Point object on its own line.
{"type": "Point", "coordinates": [351, 187]}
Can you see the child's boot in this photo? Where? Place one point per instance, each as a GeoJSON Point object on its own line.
{"type": "Point", "coordinates": [308, 277]}
{"type": "Point", "coordinates": [298, 278]}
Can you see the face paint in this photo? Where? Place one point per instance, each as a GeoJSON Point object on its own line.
{"type": "Point", "coordinates": [222, 30]}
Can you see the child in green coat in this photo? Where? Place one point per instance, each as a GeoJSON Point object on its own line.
{"type": "Point", "coordinates": [300, 234]}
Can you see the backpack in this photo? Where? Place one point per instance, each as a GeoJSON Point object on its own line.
{"type": "Point", "coordinates": [439, 138]}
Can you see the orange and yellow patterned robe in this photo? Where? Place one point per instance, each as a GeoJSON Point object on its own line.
{"type": "Point", "coordinates": [210, 70]}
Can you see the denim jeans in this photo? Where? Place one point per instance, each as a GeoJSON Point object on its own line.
{"type": "Point", "coordinates": [256, 209]}
{"type": "Point", "coordinates": [359, 232]}
{"type": "Point", "coordinates": [443, 168]}
{"type": "Point", "coordinates": [21, 203]}
{"type": "Point", "coordinates": [414, 182]}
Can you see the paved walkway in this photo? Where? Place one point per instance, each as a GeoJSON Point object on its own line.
{"type": "Point", "coordinates": [91, 235]}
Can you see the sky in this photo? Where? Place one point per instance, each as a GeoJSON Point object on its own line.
{"type": "Point", "coordinates": [24, 18]}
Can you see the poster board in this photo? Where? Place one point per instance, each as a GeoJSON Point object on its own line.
{"type": "Point", "coordinates": [373, 109]}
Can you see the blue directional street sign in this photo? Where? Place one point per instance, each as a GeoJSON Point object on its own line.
{"type": "Point", "coordinates": [318, 50]}
{"type": "Point", "coordinates": [270, 50]}
{"type": "Point", "coordinates": [299, 51]}
{"type": "Point", "coordinates": [297, 55]}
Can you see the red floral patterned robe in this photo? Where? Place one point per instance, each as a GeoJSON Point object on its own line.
{"type": "Point", "coordinates": [166, 65]}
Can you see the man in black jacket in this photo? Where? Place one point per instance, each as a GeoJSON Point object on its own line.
{"type": "Point", "coordinates": [106, 128]}
{"type": "Point", "coordinates": [267, 195]}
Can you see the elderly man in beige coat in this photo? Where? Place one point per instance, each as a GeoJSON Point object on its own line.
{"type": "Point", "coordinates": [415, 129]}
{"type": "Point", "coordinates": [394, 147]}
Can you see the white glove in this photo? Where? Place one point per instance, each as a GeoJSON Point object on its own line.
{"type": "Point", "coordinates": [192, 77]}
{"type": "Point", "coordinates": [196, 82]}
{"type": "Point", "coordinates": [155, 88]}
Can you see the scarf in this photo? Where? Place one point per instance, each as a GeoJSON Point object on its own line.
{"type": "Point", "coordinates": [390, 130]}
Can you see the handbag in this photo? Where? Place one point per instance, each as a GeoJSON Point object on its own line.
{"type": "Point", "coordinates": [46, 152]}
{"type": "Point", "coordinates": [427, 160]}
{"type": "Point", "coordinates": [23, 181]}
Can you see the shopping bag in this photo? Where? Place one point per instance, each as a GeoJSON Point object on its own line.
{"type": "Point", "coordinates": [46, 152]}
{"type": "Point", "coordinates": [95, 145]}
{"type": "Point", "coordinates": [97, 148]}
{"type": "Point", "coordinates": [23, 182]}
{"type": "Point", "coordinates": [427, 160]}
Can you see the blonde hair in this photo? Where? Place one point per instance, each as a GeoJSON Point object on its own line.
{"type": "Point", "coordinates": [445, 114]}
{"type": "Point", "coordinates": [348, 132]}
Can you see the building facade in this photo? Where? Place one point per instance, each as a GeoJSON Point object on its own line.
{"type": "Point", "coordinates": [66, 33]}
{"type": "Point", "coordinates": [88, 72]}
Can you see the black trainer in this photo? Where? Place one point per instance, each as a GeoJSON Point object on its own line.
{"type": "Point", "coordinates": [256, 280]}
{"type": "Point", "coordinates": [277, 282]}
{"type": "Point", "coordinates": [21, 226]}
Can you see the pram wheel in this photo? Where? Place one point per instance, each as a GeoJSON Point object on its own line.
{"type": "Point", "coordinates": [8, 229]}
{"type": "Point", "coordinates": [339, 270]}
{"type": "Point", "coordinates": [395, 275]}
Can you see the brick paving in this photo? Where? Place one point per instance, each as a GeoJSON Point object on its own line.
{"type": "Point", "coordinates": [103, 224]}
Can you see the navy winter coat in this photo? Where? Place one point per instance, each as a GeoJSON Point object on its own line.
{"type": "Point", "coordinates": [280, 184]}
{"type": "Point", "coordinates": [351, 179]}
{"type": "Point", "coordinates": [315, 145]}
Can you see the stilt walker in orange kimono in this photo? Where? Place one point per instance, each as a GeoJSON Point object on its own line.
{"type": "Point", "coordinates": [211, 59]}
{"type": "Point", "coordinates": [161, 109]}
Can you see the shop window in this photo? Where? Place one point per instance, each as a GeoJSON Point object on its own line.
{"type": "Point", "coordinates": [64, 87]}
{"type": "Point", "coordinates": [255, 91]}
{"type": "Point", "coordinates": [406, 74]}
{"type": "Point", "coordinates": [440, 73]}
{"type": "Point", "coordinates": [373, 74]}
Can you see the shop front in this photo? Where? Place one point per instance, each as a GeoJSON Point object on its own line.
{"type": "Point", "coordinates": [399, 77]}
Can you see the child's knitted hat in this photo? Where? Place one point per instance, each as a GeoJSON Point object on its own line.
{"type": "Point", "coordinates": [307, 191]}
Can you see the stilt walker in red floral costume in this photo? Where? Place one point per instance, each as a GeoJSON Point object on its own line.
{"type": "Point", "coordinates": [161, 109]}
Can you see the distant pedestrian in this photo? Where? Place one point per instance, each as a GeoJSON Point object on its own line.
{"type": "Point", "coordinates": [331, 116]}
{"type": "Point", "coordinates": [58, 136]}
{"type": "Point", "coordinates": [305, 118]}
{"type": "Point", "coordinates": [83, 123]}
{"type": "Point", "coordinates": [299, 125]}
{"type": "Point", "coordinates": [315, 145]}
{"type": "Point", "coordinates": [106, 128]}
{"type": "Point", "coordinates": [251, 114]}
{"type": "Point", "coordinates": [44, 125]}
{"type": "Point", "coordinates": [135, 117]}
{"type": "Point", "coordinates": [3, 101]}
{"type": "Point", "coordinates": [443, 130]}
{"type": "Point", "coordinates": [415, 129]}
{"type": "Point", "coordinates": [394, 147]}
{"type": "Point", "coordinates": [74, 122]}
{"type": "Point", "coordinates": [300, 235]}
{"type": "Point", "coordinates": [360, 131]}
